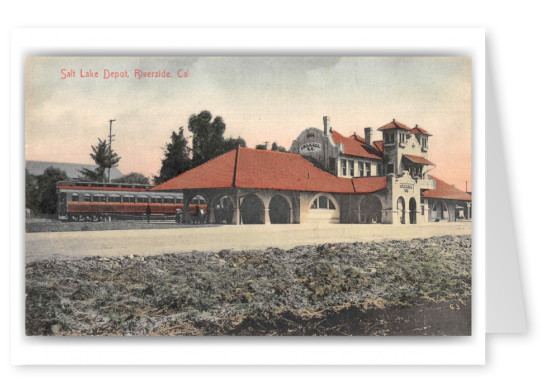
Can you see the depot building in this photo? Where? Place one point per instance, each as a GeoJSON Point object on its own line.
{"type": "Point", "coordinates": [327, 178]}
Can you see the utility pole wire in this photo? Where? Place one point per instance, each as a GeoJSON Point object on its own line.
{"type": "Point", "coordinates": [110, 140]}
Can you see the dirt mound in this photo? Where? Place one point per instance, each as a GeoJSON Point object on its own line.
{"type": "Point", "coordinates": [330, 289]}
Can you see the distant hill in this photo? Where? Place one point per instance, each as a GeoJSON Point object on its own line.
{"type": "Point", "coordinates": [36, 167]}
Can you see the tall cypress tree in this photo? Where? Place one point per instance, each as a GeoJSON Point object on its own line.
{"type": "Point", "coordinates": [177, 159]}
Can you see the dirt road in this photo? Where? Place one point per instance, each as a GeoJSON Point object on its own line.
{"type": "Point", "coordinates": [72, 245]}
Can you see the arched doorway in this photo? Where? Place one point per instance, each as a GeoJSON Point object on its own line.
{"type": "Point", "coordinates": [412, 211]}
{"type": "Point", "coordinates": [324, 209]}
{"type": "Point", "coordinates": [439, 211]}
{"type": "Point", "coordinates": [223, 210]}
{"type": "Point", "coordinates": [252, 210]}
{"type": "Point", "coordinates": [280, 211]}
{"type": "Point", "coordinates": [371, 210]}
{"type": "Point", "coordinates": [401, 206]}
{"type": "Point", "coordinates": [198, 209]}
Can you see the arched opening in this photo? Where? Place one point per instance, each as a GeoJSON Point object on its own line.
{"type": "Point", "coordinates": [223, 210]}
{"type": "Point", "coordinates": [324, 209]}
{"type": "Point", "coordinates": [252, 210]}
{"type": "Point", "coordinates": [412, 211]}
{"type": "Point", "coordinates": [198, 209]}
{"type": "Point", "coordinates": [401, 206]}
{"type": "Point", "coordinates": [371, 210]}
{"type": "Point", "coordinates": [280, 211]}
{"type": "Point", "coordinates": [439, 211]}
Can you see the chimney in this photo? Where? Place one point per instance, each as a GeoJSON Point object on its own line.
{"type": "Point", "coordinates": [368, 132]}
{"type": "Point", "coordinates": [326, 124]}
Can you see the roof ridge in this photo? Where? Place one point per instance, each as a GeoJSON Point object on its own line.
{"type": "Point", "coordinates": [235, 166]}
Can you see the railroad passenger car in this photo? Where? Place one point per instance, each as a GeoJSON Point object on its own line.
{"type": "Point", "coordinates": [91, 201]}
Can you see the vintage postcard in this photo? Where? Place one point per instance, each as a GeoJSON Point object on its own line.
{"type": "Point", "coordinates": [248, 196]}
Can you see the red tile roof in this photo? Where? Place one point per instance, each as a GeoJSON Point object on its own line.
{"type": "Point", "coordinates": [395, 125]}
{"type": "Point", "coordinates": [369, 184]}
{"type": "Point", "coordinates": [418, 159]}
{"type": "Point", "coordinates": [446, 191]}
{"type": "Point", "coordinates": [259, 169]}
{"type": "Point", "coordinates": [417, 129]}
{"type": "Point", "coordinates": [378, 145]}
{"type": "Point", "coordinates": [355, 146]}
{"type": "Point", "coordinates": [215, 173]}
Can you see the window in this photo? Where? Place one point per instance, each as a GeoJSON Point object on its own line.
{"type": "Point", "coordinates": [74, 198]}
{"type": "Point", "coordinates": [361, 168]}
{"type": "Point", "coordinates": [156, 199]}
{"type": "Point", "coordinates": [114, 198]}
{"type": "Point", "coordinates": [129, 198]}
{"type": "Point", "coordinates": [351, 167]}
{"type": "Point", "coordinates": [98, 198]}
{"type": "Point", "coordinates": [87, 197]}
{"type": "Point", "coordinates": [179, 200]}
{"type": "Point", "coordinates": [322, 202]}
{"type": "Point", "coordinates": [343, 167]}
{"type": "Point", "coordinates": [402, 137]}
{"type": "Point", "coordinates": [143, 199]}
{"type": "Point", "coordinates": [424, 142]}
{"type": "Point", "coordinates": [390, 168]}
{"type": "Point", "coordinates": [368, 169]}
{"type": "Point", "coordinates": [168, 200]}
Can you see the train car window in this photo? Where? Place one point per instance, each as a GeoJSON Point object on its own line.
{"type": "Point", "coordinates": [114, 198]}
{"type": "Point", "coordinates": [142, 199]}
{"type": "Point", "coordinates": [156, 199]}
{"type": "Point", "coordinates": [87, 197]}
{"type": "Point", "coordinates": [74, 198]}
{"type": "Point", "coordinates": [168, 200]}
{"type": "Point", "coordinates": [129, 198]}
{"type": "Point", "coordinates": [179, 200]}
{"type": "Point", "coordinates": [99, 198]}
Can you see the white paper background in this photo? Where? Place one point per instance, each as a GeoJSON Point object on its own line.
{"type": "Point", "coordinates": [251, 351]}
{"type": "Point", "coordinates": [517, 35]}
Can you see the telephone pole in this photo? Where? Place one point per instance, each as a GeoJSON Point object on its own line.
{"type": "Point", "coordinates": [110, 141]}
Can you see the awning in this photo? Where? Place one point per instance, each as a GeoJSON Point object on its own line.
{"type": "Point", "coordinates": [418, 159]}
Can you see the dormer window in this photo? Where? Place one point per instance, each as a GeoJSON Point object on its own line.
{"type": "Point", "coordinates": [389, 138]}
{"type": "Point", "coordinates": [424, 142]}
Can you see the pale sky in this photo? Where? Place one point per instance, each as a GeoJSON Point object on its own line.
{"type": "Point", "coordinates": [259, 98]}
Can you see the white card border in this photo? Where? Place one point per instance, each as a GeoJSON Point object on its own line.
{"type": "Point", "coordinates": [244, 350]}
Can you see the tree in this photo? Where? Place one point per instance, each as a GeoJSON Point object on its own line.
{"type": "Point", "coordinates": [208, 136]}
{"type": "Point", "coordinates": [233, 143]}
{"type": "Point", "coordinates": [133, 177]}
{"type": "Point", "coordinates": [31, 191]}
{"type": "Point", "coordinates": [105, 158]}
{"type": "Point", "coordinates": [47, 189]}
{"type": "Point", "coordinates": [261, 146]}
{"type": "Point", "coordinates": [176, 159]}
{"type": "Point", "coordinates": [278, 148]}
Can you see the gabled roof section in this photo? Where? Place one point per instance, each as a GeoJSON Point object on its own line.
{"type": "Point", "coordinates": [446, 191]}
{"type": "Point", "coordinates": [355, 146]}
{"type": "Point", "coordinates": [216, 173]}
{"type": "Point", "coordinates": [395, 125]}
{"type": "Point", "coordinates": [418, 159]}
{"type": "Point", "coordinates": [261, 169]}
{"type": "Point", "coordinates": [378, 145]}
{"type": "Point", "coordinates": [416, 130]}
{"type": "Point", "coordinates": [369, 184]}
